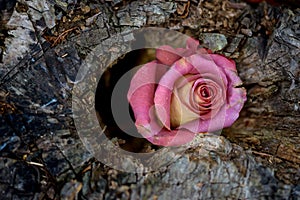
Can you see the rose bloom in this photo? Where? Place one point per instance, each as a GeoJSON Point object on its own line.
{"type": "Point", "coordinates": [184, 92]}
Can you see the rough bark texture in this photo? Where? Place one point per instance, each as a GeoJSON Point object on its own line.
{"type": "Point", "coordinates": [42, 155]}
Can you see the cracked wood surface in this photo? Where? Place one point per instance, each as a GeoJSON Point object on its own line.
{"type": "Point", "coordinates": [41, 154]}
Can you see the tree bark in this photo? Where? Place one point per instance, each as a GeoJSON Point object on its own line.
{"type": "Point", "coordinates": [46, 43]}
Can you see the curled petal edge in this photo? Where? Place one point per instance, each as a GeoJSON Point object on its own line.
{"type": "Point", "coordinates": [141, 91]}
{"type": "Point", "coordinates": [172, 138]}
{"type": "Point", "coordinates": [168, 55]}
{"type": "Point", "coordinates": [224, 118]}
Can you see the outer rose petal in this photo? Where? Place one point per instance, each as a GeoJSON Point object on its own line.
{"type": "Point", "coordinates": [237, 98]}
{"type": "Point", "coordinates": [228, 66]}
{"type": "Point", "coordinates": [140, 96]}
{"type": "Point", "coordinates": [141, 91]}
{"type": "Point", "coordinates": [158, 135]}
{"type": "Point", "coordinates": [164, 90]}
{"type": "Point", "coordinates": [192, 44]}
{"type": "Point", "coordinates": [168, 55]}
{"type": "Point", "coordinates": [234, 94]}
{"type": "Point", "coordinates": [203, 126]}
{"type": "Point", "coordinates": [172, 138]}
{"type": "Point", "coordinates": [205, 64]}
{"type": "Point", "coordinates": [224, 62]}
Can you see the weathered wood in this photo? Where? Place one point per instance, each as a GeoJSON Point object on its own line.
{"type": "Point", "coordinates": [42, 155]}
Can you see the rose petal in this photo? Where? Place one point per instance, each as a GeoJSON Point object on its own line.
{"type": "Point", "coordinates": [163, 93]}
{"type": "Point", "coordinates": [158, 135]}
{"type": "Point", "coordinates": [219, 97]}
{"type": "Point", "coordinates": [141, 91]}
{"type": "Point", "coordinates": [224, 62]}
{"type": "Point", "coordinates": [172, 138]}
{"type": "Point", "coordinates": [234, 79]}
{"type": "Point", "coordinates": [203, 51]}
{"type": "Point", "coordinates": [205, 64]}
{"type": "Point", "coordinates": [229, 68]}
{"type": "Point", "coordinates": [180, 110]}
{"type": "Point", "coordinates": [168, 55]}
{"type": "Point", "coordinates": [192, 44]}
{"type": "Point", "coordinates": [236, 102]}
{"type": "Point", "coordinates": [203, 126]}
{"type": "Point", "coordinates": [224, 118]}
{"type": "Point", "coordinates": [237, 98]}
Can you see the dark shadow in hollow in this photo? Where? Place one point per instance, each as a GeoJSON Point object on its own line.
{"type": "Point", "coordinates": [103, 103]}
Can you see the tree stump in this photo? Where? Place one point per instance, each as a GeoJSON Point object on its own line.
{"type": "Point", "coordinates": [43, 45]}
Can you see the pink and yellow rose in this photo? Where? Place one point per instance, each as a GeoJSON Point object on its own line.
{"type": "Point", "coordinates": [184, 92]}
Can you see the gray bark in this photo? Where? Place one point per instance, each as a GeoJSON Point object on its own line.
{"type": "Point", "coordinates": [43, 157]}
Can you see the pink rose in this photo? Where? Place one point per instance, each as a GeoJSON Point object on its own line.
{"type": "Point", "coordinates": [183, 92]}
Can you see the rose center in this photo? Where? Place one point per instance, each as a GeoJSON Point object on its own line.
{"type": "Point", "coordinates": [205, 92]}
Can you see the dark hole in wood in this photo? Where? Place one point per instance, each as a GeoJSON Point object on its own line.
{"type": "Point", "coordinates": [105, 88]}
